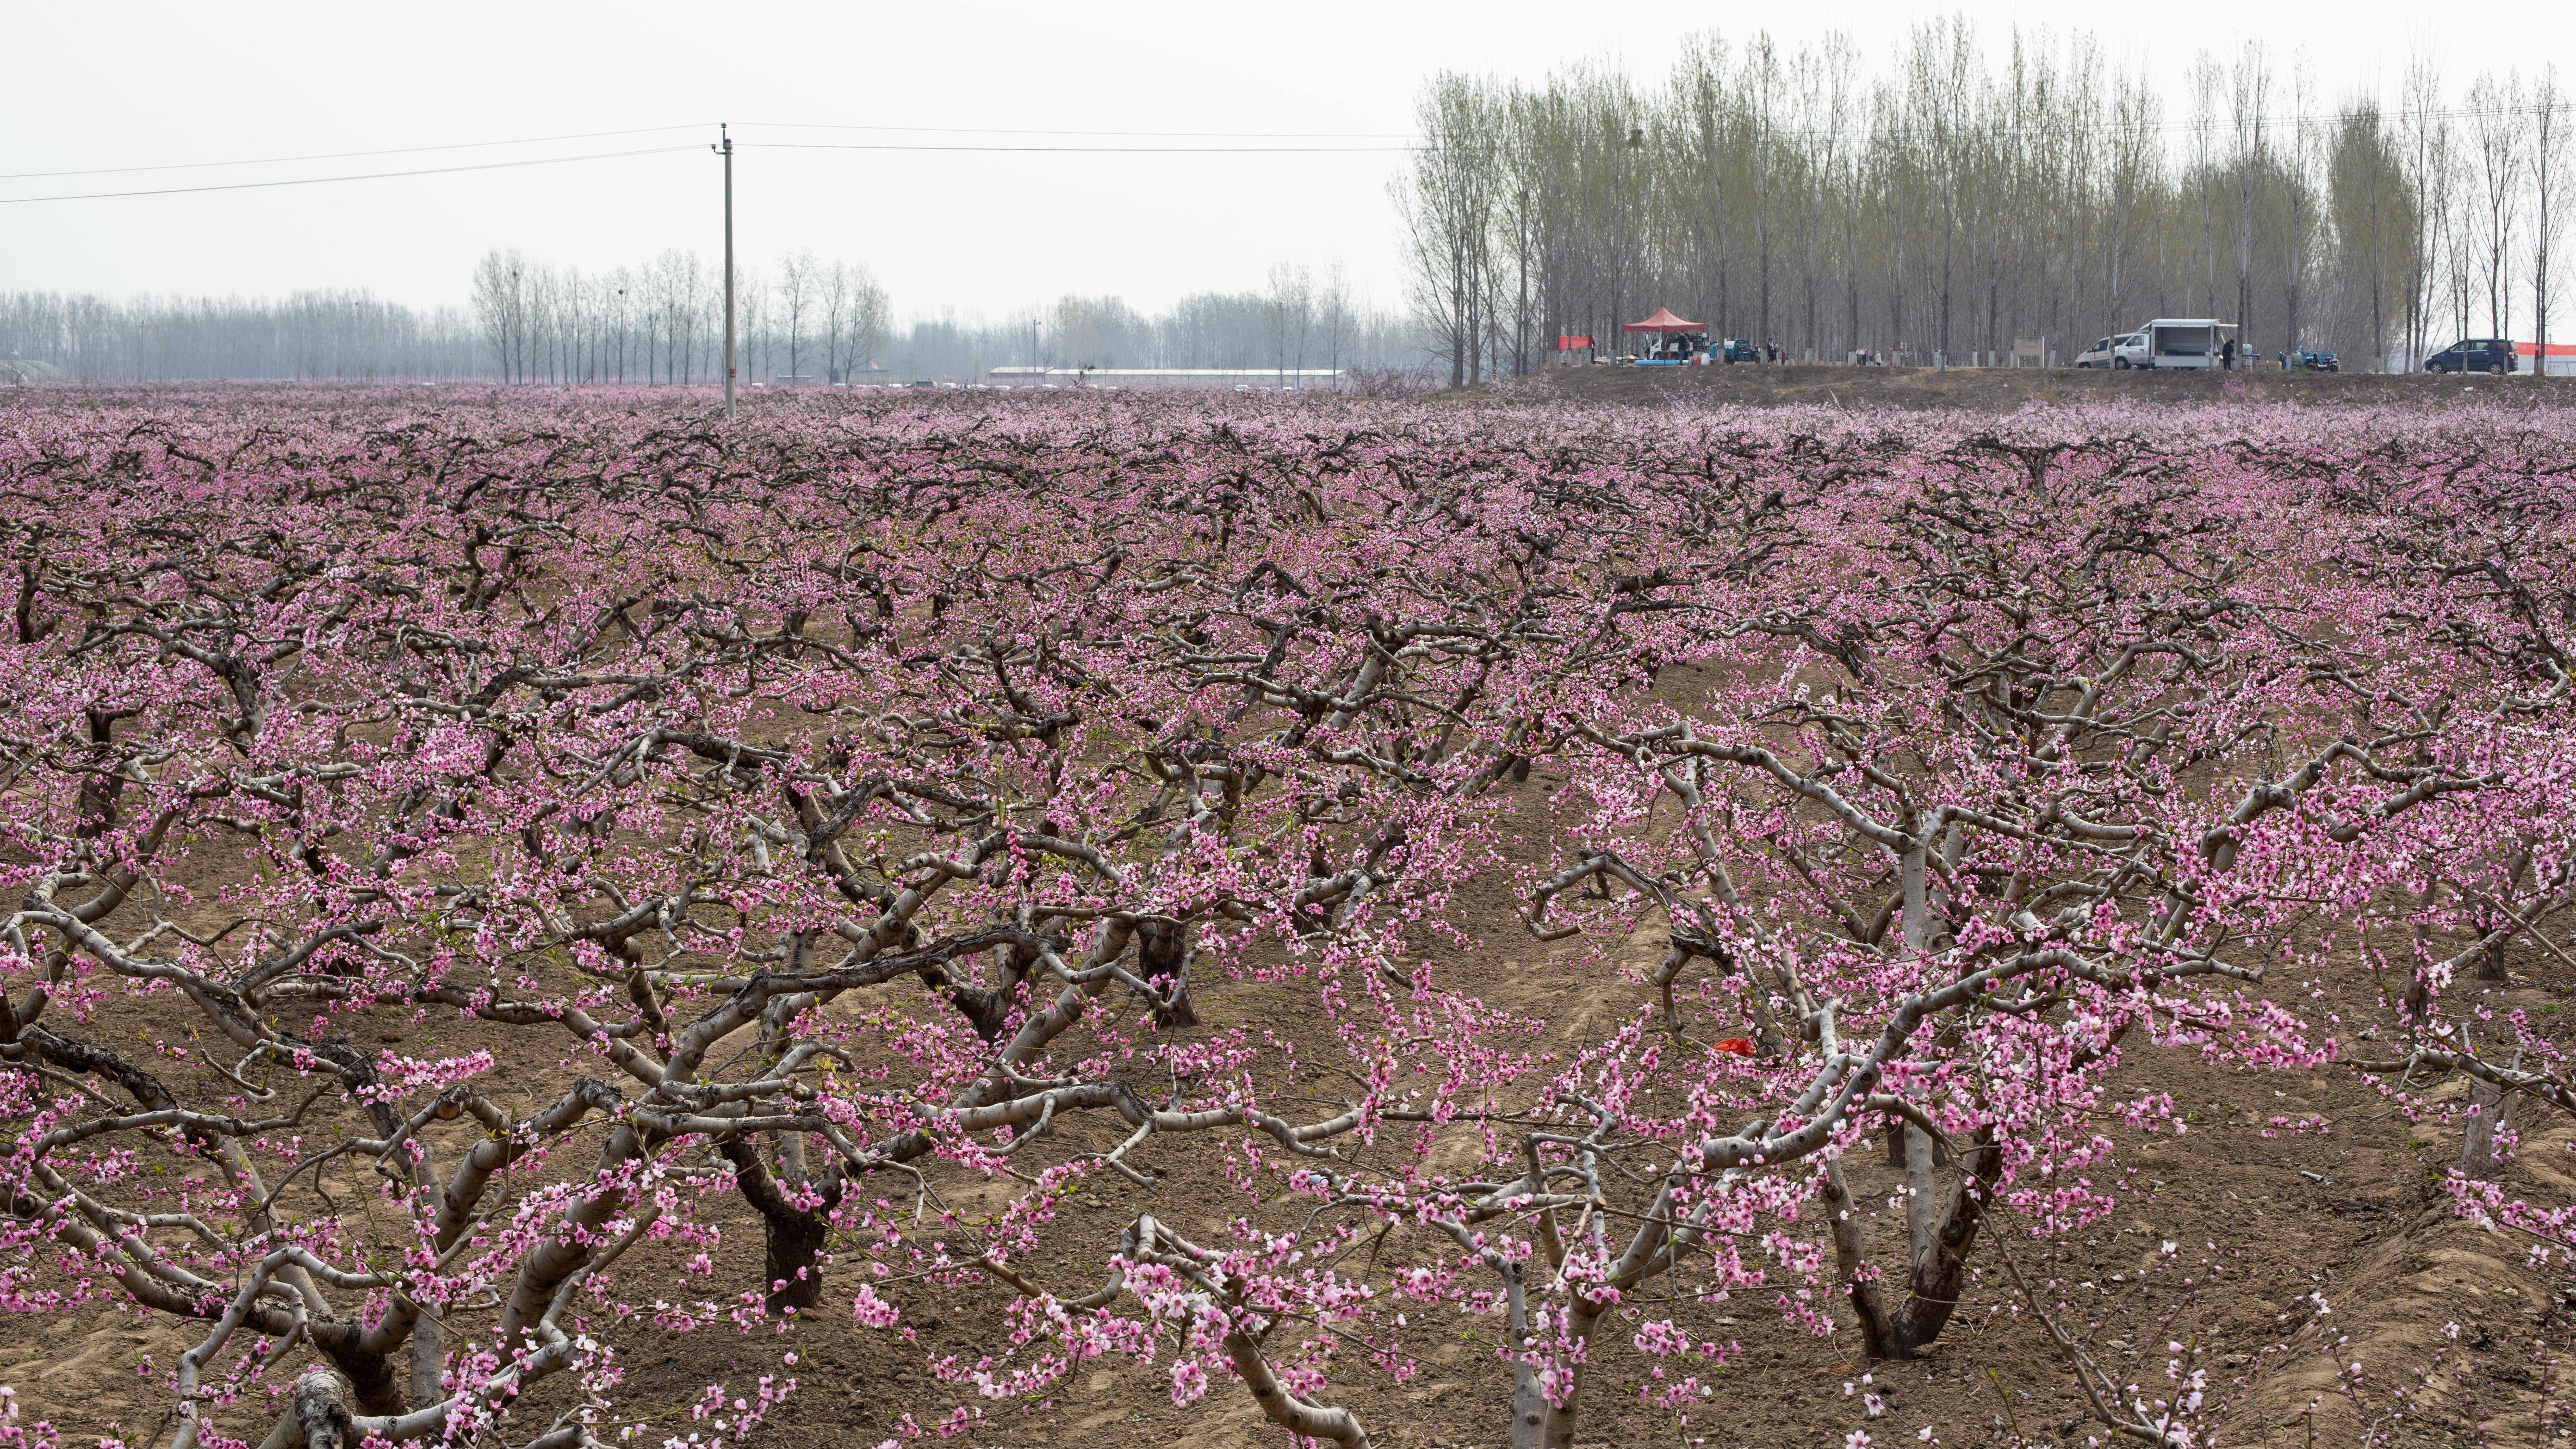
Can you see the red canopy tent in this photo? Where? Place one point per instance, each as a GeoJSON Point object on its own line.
{"type": "Point", "coordinates": [1663, 321]}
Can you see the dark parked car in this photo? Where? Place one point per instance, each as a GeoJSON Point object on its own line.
{"type": "Point", "coordinates": [2492, 354]}
{"type": "Point", "coordinates": [2315, 359]}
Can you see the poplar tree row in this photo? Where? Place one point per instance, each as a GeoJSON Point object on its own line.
{"type": "Point", "coordinates": [801, 318]}
{"type": "Point", "coordinates": [1965, 196]}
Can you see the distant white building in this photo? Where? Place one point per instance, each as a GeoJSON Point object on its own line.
{"type": "Point", "coordinates": [1264, 379]}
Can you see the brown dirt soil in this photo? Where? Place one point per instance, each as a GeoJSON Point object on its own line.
{"type": "Point", "coordinates": [2010, 389]}
{"type": "Point", "coordinates": [2266, 1222]}
{"type": "Point", "coordinates": [2262, 1219]}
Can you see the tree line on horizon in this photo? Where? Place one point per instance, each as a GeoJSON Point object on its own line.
{"type": "Point", "coordinates": [1301, 319]}
{"type": "Point", "coordinates": [348, 334]}
{"type": "Point", "coordinates": [1956, 203]}
{"type": "Point", "coordinates": [656, 323]}
{"type": "Point", "coordinates": [661, 323]}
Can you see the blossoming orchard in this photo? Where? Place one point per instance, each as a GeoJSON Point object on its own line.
{"type": "Point", "coordinates": [574, 922]}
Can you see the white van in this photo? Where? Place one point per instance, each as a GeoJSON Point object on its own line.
{"type": "Point", "coordinates": [2120, 352]}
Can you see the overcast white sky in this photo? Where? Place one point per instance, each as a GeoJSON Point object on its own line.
{"type": "Point", "coordinates": [148, 83]}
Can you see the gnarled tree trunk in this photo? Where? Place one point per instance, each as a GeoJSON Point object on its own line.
{"type": "Point", "coordinates": [792, 1236]}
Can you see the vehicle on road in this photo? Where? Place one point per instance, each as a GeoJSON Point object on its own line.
{"type": "Point", "coordinates": [2182, 342]}
{"type": "Point", "coordinates": [2121, 353]}
{"type": "Point", "coordinates": [2483, 354]}
{"type": "Point", "coordinates": [2315, 359]}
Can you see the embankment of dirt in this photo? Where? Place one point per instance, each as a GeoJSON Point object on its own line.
{"type": "Point", "coordinates": [2010, 389]}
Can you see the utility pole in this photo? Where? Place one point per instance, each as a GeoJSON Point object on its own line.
{"type": "Point", "coordinates": [726, 150]}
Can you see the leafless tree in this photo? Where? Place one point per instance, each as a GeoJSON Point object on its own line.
{"type": "Point", "coordinates": [2431, 170]}
{"type": "Point", "coordinates": [1292, 315]}
{"type": "Point", "coordinates": [501, 309]}
{"type": "Point", "coordinates": [2207, 76]}
{"type": "Point", "coordinates": [1333, 314]}
{"type": "Point", "coordinates": [1446, 205]}
{"type": "Point", "coordinates": [2132, 162]}
{"type": "Point", "coordinates": [2495, 132]}
{"type": "Point", "coordinates": [2550, 118]}
{"type": "Point", "coordinates": [2374, 218]}
{"type": "Point", "coordinates": [2249, 96]}
{"type": "Point", "coordinates": [2298, 241]}
{"type": "Point", "coordinates": [799, 278]}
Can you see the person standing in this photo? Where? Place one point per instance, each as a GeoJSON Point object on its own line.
{"type": "Point", "coordinates": [2227, 354]}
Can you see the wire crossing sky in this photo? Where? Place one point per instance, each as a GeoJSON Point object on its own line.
{"type": "Point", "coordinates": [979, 157]}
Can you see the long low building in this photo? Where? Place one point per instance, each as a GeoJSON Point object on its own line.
{"type": "Point", "coordinates": [1298, 378]}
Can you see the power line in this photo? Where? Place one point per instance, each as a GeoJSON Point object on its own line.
{"type": "Point", "coordinates": [360, 176]}
{"type": "Point", "coordinates": [344, 155]}
{"type": "Point", "coordinates": [1046, 131]}
{"type": "Point", "coordinates": [697, 125]}
{"type": "Point", "coordinates": [1086, 150]}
